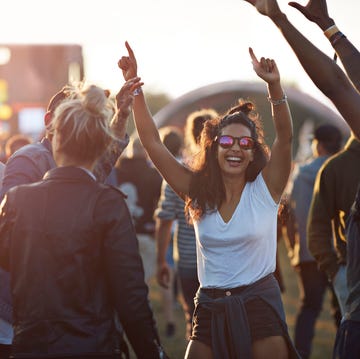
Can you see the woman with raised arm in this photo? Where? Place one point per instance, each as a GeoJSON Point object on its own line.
{"type": "Point", "coordinates": [232, 193]}
{"type": "Point", "coordinates": [324, 72]}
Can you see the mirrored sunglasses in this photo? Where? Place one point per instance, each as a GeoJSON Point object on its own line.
{"type": "Point", "coordinates": [227, 141]}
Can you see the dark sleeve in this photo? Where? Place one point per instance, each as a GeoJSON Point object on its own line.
{"type": "Point", "coordinates": [353, 250]}
{"type": "Point", "coordinates": [6, 223]}
{"type": "Point", "coordinates": [291, 230]}
{"type": "Point", "coordinates": [107, 161]}
{"type": "Point", "coordinates": [126, 275]}
{"type": "Point", "coordinates": [298, 210]}
{"type": "Point", "coordinates": [19, 170]}
{"type": "Point", "coordinates": [319, 227]}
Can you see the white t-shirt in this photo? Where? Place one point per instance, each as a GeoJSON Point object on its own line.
{"type": "Point", "coordinates": [242, 250]}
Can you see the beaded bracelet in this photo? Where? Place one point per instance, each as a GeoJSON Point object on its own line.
{"type": "Point", "coordinates": [277, 102]}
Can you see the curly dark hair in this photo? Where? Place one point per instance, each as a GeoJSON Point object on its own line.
{"type": "Point", "coordinates": [207, 190]}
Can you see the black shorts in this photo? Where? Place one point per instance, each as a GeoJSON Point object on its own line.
{"type": "Point", "coordinates": [263, 321]}
{"type": "Point", "coordinates": [347, 344]}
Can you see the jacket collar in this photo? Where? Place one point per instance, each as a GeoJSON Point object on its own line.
{"type": "Point", "coordinates": [47, 144]}
{"type": "Point", "coordinates": [68, 173]}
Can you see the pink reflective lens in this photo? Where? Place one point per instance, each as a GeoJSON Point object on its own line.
{"type": "Point", "coordinates": [227, 141]}
{"type": "Point", "coordinates": [246, 143]}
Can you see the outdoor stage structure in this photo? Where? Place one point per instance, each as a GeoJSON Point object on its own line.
{"type": "Point", "coordinates": [307, 112]}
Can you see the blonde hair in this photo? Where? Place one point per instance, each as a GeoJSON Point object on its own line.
{"type": "Point", "coordinates": [193, 127]}
{"type": "Point", "coordinates": [82, 123]}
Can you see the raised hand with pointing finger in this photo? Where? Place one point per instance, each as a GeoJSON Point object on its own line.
{"type": "Point", "coordinates": [128, 64]}
{"type": "Point", "coordinates": [266, 69]}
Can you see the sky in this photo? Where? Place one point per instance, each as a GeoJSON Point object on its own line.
{"type": "Point", "coordinates": [180, 45]}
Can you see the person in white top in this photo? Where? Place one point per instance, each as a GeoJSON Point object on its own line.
{"type": "Point", "coordinates": [232, 193]}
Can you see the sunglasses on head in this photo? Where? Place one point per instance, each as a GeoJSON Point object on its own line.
{"type": "Point", "coordinates": [227, 141]}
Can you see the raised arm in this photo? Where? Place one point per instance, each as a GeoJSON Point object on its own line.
{"type": "Point", "coordinates": [173, 171]}
{"type": "Point", "coordinates": [277, 171]}
{"type": "Point", "coordinates": [324, 72]}
{"type": "Point", "coordinates": [124, 102]}
{"type": "Point", "coordinates": [317, 12]}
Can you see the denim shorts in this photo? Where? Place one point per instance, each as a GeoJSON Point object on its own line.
{"type": "Point", "coordinates": [263, 321]}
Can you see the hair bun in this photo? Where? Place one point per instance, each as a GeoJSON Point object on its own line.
{"type": "Point", "coordinates": [245, 107]}
{"type": "Point", "coordinates": [94, 99]}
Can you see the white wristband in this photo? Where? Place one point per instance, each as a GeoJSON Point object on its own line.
{"type": "Point", "coordinates": [330, 31]}
{"type": "Point", "coordinates": [277, 102]}
{"type": "Point", "coordinates": [137, 91]}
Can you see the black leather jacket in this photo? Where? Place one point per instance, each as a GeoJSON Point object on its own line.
{"type": "Point", "coordinates": [73, 257]}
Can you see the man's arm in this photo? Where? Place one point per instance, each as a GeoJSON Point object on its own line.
{"type": "Point", "coordinates": [107, 161]}
{"type": "Point", "coordinates": [163, 238]}
{"type": "Point", "coordinates": [164, 215]}
{"type": "Point", "coordinates": [317, 12]}
{"type": "Point", "coordinates": [323, 71]}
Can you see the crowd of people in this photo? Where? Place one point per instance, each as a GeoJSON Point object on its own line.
{"type": "Point", "coordinates": [90, 215]}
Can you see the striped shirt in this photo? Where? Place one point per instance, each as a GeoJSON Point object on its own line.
{"type": "Point", "coordinates": [171, 207]}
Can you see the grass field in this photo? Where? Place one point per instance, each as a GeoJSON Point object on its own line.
{"type": "Point", "coordinates": [325, 329]}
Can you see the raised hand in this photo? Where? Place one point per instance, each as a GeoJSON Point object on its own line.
{"type": "Point", "coordinates": [124, 103]}
{"type": "Point", "coordinates": [268, 8]}
{"type": "Point", "coordinates": [128, 64]}
{"type": "Point", "coordinates": [266, 69]}
{"type": "Point", "coordinates": [315, 11]}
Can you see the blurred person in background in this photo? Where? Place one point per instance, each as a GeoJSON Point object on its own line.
{"type": "Point", "coordinates": [15, 142]}
{"type": "Point", "coordinates": [171, 209]}
{"type": "Point", "coordinates": [139, 180]}
{"type": "Point", "coordinates": [312, 282]}
{"type": "Point", "coordinates": [172, 137]}
{"type": "Point", "coordinates": [334, 193]}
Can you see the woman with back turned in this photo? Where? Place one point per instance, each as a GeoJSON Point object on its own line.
{"type": "Point", "coordinates": [71, 250]}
